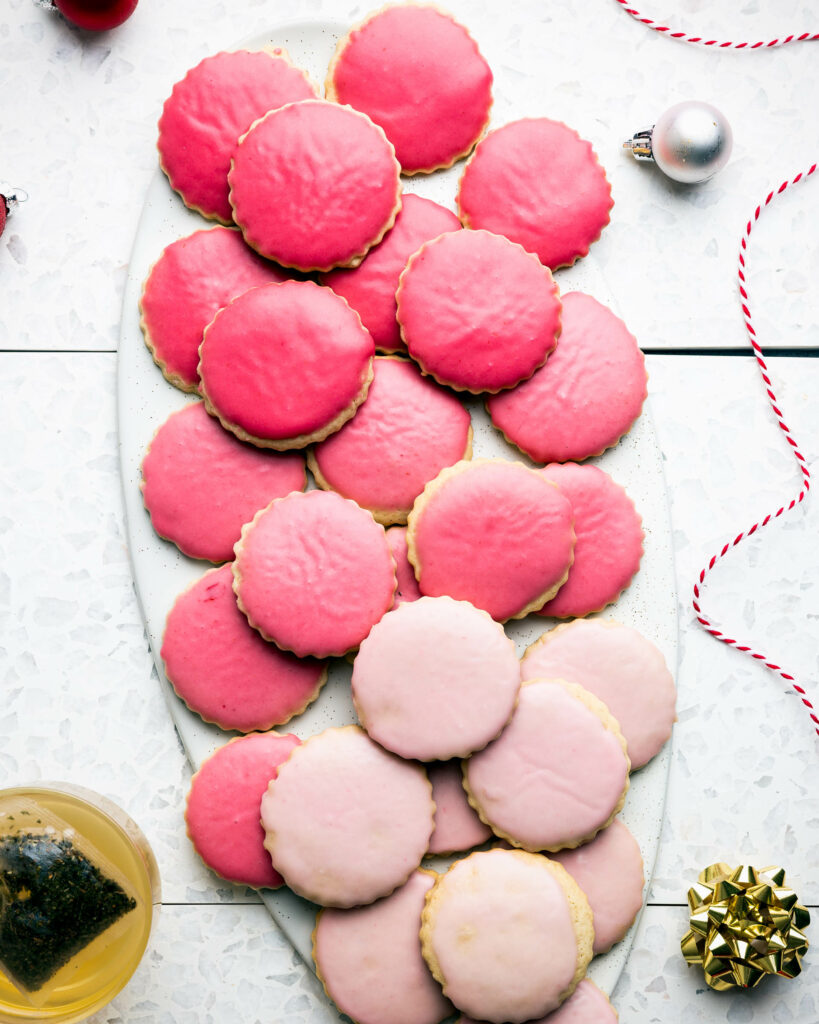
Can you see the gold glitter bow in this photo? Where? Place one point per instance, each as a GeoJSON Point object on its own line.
{"type": "Point", "coordinates": [744, 924]}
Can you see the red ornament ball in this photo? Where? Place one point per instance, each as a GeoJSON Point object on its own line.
{"type": "Point", "coordinates": [2, 213]}
{"type": "Point", "coordinates": [96, 15]}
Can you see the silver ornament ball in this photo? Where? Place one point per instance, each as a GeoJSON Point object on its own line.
{"type": "Point", "coordinates": [690, 142]}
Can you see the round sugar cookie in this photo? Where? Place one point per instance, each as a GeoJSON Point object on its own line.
{"type": "Point", "coordinates": [285, 365]}
{"type": "Point", "coordinates": [586, 1005]}
{"type": "Point", "coordinates": [207, 112]}
{"type": "Point", "coordinates": [314, 573]}
{"type": "Point", "coordinates": [489, 532]}
{"type": "Point", "coordinates": [537, 182]}
{"type": "Point", "coordinates": [435, 679]}
{"type": "Point", "coordinates": [588, 394]}
{"type": "Point", "coordinates": [419, 74]}
{"type": "Point", "coordinates": [457, 826]}
{"type": "Point", "coordinates": [369, 959]}
{"type": "Point", "coordinates": [404, 433]}
{"type": "Point", "coordinates": [347, 822]}
{"type": "Point", "coordinates": [314, 185]}
{"type": "Point", "coordinates": [477, 312]}
{"type": "Point", "coordinates": [223, 670]}
{"type": "Point", "coordinates": [507, 934]}
{"type": "Point", "coordinates": [407, 588]}
{"type": "Point", "coordinates": [556, 775]}
{"type": "Point", "coordinates": [371, 286]}
{"type": "Point", "coordinates": [222, 814]}
{"type": "Point", "coordinates": [620, 667]}
{"type": "Point", "coordinates": [191, 281]}
{"type": "Point", "coordinates": [608, 545]}
{"type": "Point", "coordinates": [200, 484]}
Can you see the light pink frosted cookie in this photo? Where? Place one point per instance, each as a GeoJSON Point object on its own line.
{"type": "Point", "coordinates": [347, 822]}
{"type": "Point", "coordinates": [608, 545]}
{"type": "Point", "coordinates": [223, 669]}
{"type": "Point", "coordinates": [618, 665]}
{"type": "Point", "coordinates": [508, 935]}
{"type": "Point", "coordinates": [200, 484]}
{"type": "Point", "coordinates": [435, 679]}
{"type": "Point", "coordinates": [457, 826]}
{"type": "Point", "coordinates": [369, 959]}
{"type": "Point", "coordinates": [586, 1005]}
{"type": "Point", "coordinates": [407, 589]}
{"type": "Point", "coordinates": [191, 281]}
{"type": "Point", "coordinates": [477, 312]}
{"type": "Point", "coordinates": [537, 182]}
{"type": "Point", "coordinates": [207, 112]}
{"type": "Point", "coordinates": [370, 287]}
{"type": "Point", "coordinates": [556, 775]}
{"type": "Point", "coordinates": [314, 185]}
{"type": "Point", "coordinates": [490, 532]}
{"type": "Point", "coordinates": [420, 75]}
{"type": "Point", "coordinates": [401, 437]}
{"type": "Point", "coordinates": [314, 573]}
{"type": "Point", "coordinates": [222, 813]}
{"type": "Point", "coordinates": [285, 365]}
{"type": "Point", "coordinates": [588, 394]}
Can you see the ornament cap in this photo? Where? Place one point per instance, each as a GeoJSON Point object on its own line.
{"type": "Point", "coordinates": [12, 195]}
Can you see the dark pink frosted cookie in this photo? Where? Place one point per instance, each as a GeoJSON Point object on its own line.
{"type": "Point", "coordinates": [407, 589]}
{"type": "Point", "coordinates": [457, 825]}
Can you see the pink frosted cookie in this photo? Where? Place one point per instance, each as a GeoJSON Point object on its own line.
{"type": "Point", "coordinates": [588, 394]}
{"type": "Point", "coordinates": [419, 74]}
{"type": "Point", "coordinates": [369, 959]}
{"type": "Point", "coordinates": [508, 935]}
{"type": "Point", "coordinates": [609, 540]}
{"type": "Point", "coordinates": [490, 532]}
{"type": "Point", "coordinates": [314, 185]}
{"type": "Point", "coordinates": [618, 665]}
{"type": "Point", "coordinates": [477, 312]}
{"type": "Point", "coordinates": [314, 573]}
{"type": "Point", "coordinates": [370, 287]}
{"type": "Point", "coordinates": [223, 669]}
{"type": "Point", "coordinates": [407, 589]}
{"type": "Point", "coordinates": [402, 436]}
{"type": "Point", "coordinates": [586, 1005]}
{"type": "Point", "coordinates": [347, 822]}
{"type": "Point", "coordinates": [285, 365]}
{"type": "Point", "coordinates": [222, 814]}
{"type": "Point", "coordinates": [435, 679]}
{"type": "Point", "coordinates": [537, 182]}
{"type": "Point", "coordinates": [457, 826]}
{"type": "Point", "coordinates": [190, 282]}
{"type": "Point", "coordinates": [207, 112]}
{"type": "Point", "coordinates": [556, 775]}
{"type": "Point", "coordinates": [200, 484]}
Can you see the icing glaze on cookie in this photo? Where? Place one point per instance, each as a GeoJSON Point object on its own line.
{"type": "Point", "coordinates": [457, 826]}
{"type": "Point", "coordinates": [587, 395]}
{"type": "Point", "coordinates": [200, 484]}
{"type": "Point", "coordinates": [401, 437]}
{"type": "Point", "coordinates": [417, 73]}
{"type": "Point", "coordinates": [586, 1005]}
{"type": "Point", "coordinates": [207, 112]}
{"type": "Point", "coordinates": [285, 364]}
{"type": "Point", "coordinates": [314, 573]}
{"type": "Point", "coordinates": [537, 182]}
{"type": "Point", "coordinates": [407, 589]}
{"type": "Point", "coordinates": [618, 665]}
{"type": "Point", "coordinates": [477, 312]}
{"type": "Point", "coordinates": [314, 185]}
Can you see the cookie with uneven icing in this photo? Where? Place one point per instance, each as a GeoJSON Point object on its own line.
{"type": "Point", "coordinates": [347, 822]}
{"type": "Point", "coordinates": [586, 397]}
{"type": "Point", "coordinates": [314, 573]}
{"type": "Point", "coordinates": [586, 1005]}
{"type": "Point", "coordinates": [314, 185]}
{"type": "Point", "coordinates": [620, 667]}
{"type": "Point", "coordinates": [285, 365]}
{"type": "Point", "coordinates": [477, 312]}
{"type": "Point", "coordinates": [435, 679]}
{"type": "Point", "coordinates": [200, 484]}
{"type": "Point", "coordinates": [419, 74]}
{"type": "Point", "coordinates": [209, 109]}
{"type": "Point", "coordinates": [457, 826]}
{"type": "Point", "coordinates": [191, 281]}
{"type": "Point", "coordinates": [507, 934]}
{"type": "Point", "coordinates": [537, 182]}
{"type": "Point", "coordinates": [489, 532]}
{"type": "Point", "coordinates": [223, 669]}
{"type": "Point", "coordinates": [370, 287]}
{"type": "Point", "coordinates": [404, 433]}
{"type": "Point", "coordinates": [222, 813]}
{"type": "Point", "coordinates": [369, 959]}
{"type": "Point", "coordinates": [407, 588]}
{"type": "Point", "coordinates": [556, 775]}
